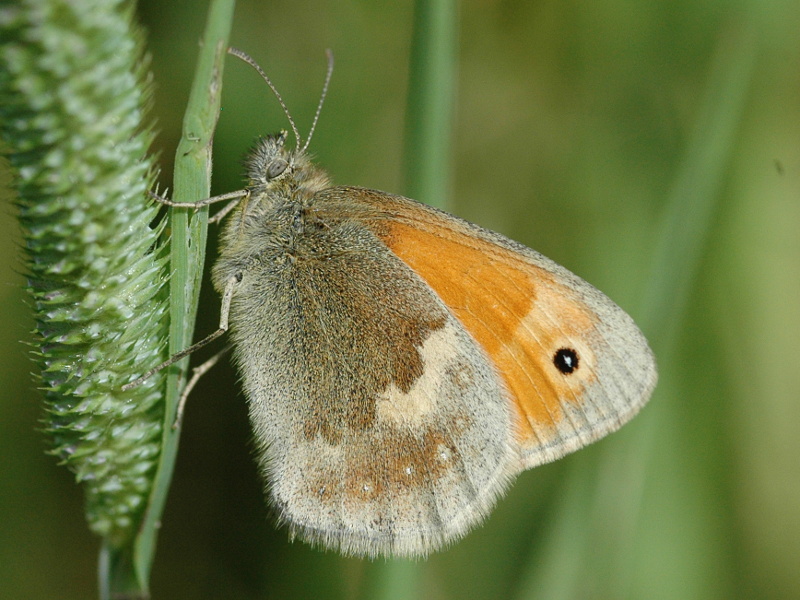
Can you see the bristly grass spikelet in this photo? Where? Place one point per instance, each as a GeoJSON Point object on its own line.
{"type": "Point", "coordinates": [73, 91]}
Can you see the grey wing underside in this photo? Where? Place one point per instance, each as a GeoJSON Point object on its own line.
{"type": "Point", "coordinates": [382, 429]}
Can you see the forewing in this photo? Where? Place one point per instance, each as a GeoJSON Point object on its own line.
{"type": "Point", "coordinates": [522, 309]}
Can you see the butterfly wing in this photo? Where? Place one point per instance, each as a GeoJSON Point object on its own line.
{"type": "Point", "coordinates": [381, 426]}
{"type": "Point", "coordinates": [402, 365]}
{"type": "Point", "coordinates": [574, 365]}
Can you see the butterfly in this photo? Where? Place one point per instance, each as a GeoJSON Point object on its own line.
{"type": "Point", "coordinates": [402, 365]}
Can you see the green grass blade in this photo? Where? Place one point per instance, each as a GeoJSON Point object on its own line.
{"type": "Point", "coordinates": [431, 99]}
{"type": "Point", "coordinates": [188, 241]}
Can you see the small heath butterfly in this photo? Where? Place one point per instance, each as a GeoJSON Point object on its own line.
{"type": "Point", "coordinates": [402, 365]}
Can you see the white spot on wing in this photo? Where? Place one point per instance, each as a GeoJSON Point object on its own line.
{"type": "Point", "coordinates": [437, 352]}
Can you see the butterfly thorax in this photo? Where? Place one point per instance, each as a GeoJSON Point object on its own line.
{"type": "Point", "coordinates": [274, 218]}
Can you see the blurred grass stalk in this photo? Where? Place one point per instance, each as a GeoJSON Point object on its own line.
{"type": "Point", "coordinates": [433, 73]}
{"type": "Point", "coordinates": [428, 167]}
{"type": "Point", "coordinates": [592, 548]}
{"type": "Point", "coordinates": [188, 233]}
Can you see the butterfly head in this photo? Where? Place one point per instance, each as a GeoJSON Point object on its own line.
{"type": "Point", "coordinates": [269, 162]}
{"type": "Point", "coordinates": [278, 172]}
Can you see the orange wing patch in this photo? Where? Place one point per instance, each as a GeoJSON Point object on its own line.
{"type": "Point", "coordinates": [515, 310]}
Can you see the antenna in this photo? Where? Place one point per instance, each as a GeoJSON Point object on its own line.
{"type": "Point", "coordinates": [246, 58]}
{"type": "Point", "coordinates": [329, 54]}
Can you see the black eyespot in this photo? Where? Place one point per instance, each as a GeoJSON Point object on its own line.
{"type": "Point", "coordinates": [566, 360]}
{"type": "Point", "coordinates": [276, 167]}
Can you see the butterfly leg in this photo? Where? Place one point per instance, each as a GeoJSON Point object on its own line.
{"type": "Point", "coordinates": [197, 373]}
{"type": "Point", "coordinates": [236, 197]}
{"type": "Point", "coordinates": [229, 207]}
{"type": "Point", "coordinates": [227, 296]}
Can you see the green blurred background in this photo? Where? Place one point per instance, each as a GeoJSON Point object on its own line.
{"type": "Point", "coordinates": [576, 126]}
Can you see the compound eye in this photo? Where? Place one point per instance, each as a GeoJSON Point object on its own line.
{"type": "Point", "coordinates": [276, 167]}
